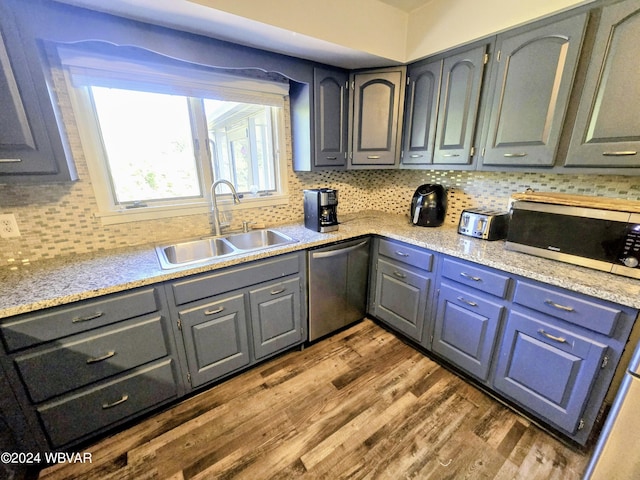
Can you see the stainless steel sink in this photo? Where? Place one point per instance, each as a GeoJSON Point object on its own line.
{"type": "Point", "coordinates": [196, 251]}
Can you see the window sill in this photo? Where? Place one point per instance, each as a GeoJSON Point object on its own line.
{"type": "Point", "coordinates": [166, 211]}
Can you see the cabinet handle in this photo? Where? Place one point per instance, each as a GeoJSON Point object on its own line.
{"type": "Point", "coordinates": [213, 312]}
{"type": "Point", "coordinates": [553, 304]}
{"type": "Point", "coordinates": [102, 358]}
{"type": "Point", "coordinates": [619, 154]}
{"type": "Point", "coordinates": [124, 398]}
{"type": "Point", "coordinates": [552, 337]}
{"type": "Point", "coordinates": [512, 155]}
{"type": "Point", "coordinates": [416, 155]}
{"type": "Point", "coordinates": [10, 160]}
{"type": "Point", "coordinates": [87, 318]}
{"type": "Point", "coordinates": [276, 292]}
{"type": "Point", "coordinates": [468, 302]}
{"type": "Point", "coordinates": [373, 157]}
{"type": "Point", "coordinates": [401, 254]}
{"type": "Point", "coordinates": [451, 155]}
{"type": "Point", "coordinates": [331, 158]}
{"type": "Point", "coordinates": [399, 274]}
{"type": "Point", "coordinates": [470, 277]}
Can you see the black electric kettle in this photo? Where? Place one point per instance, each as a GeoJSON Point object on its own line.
{"type": "Point", "coordinates": [429, 205]}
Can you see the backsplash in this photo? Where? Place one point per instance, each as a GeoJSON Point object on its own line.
{"type": "Point", "coordinates": [58, 219]}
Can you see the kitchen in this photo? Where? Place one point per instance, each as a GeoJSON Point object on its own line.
{"type": "Point", "coordinates": [58, 219]}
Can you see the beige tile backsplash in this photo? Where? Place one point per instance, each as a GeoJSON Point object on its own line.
{"type": "Point", "coordinates": [58, 219]}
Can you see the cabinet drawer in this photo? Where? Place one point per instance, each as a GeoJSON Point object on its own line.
{"type": "Point", "coordinates": [476, 277]}
{"type": "Point", "coordinates": [401, 252]}
{"type": "Point", "coordinates": [74, 416]}
{"type": "Point", "coordinates": [34, 328]}
{"type": "Point", "coordinates": [599, 317]}
{"type": "Point", "coordinates": [87, 358]}
{"type": "Point", "coordinates": [223, 281]}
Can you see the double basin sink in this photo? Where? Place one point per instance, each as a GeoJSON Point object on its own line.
{"type": "Point", "coordinates": [195, 251]}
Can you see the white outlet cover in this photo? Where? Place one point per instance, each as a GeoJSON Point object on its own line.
{"type": "Point", "coordinates": [8, 226]}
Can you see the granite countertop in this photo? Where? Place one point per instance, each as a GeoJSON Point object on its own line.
{"type": "Point", "coordinates": [30, 287]}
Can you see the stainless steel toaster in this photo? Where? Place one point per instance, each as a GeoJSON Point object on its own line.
{"type": "Point", "coordinates": [484, 223]}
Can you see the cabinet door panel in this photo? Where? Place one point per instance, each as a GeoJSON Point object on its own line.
{"type": "Point", "coordinates": [607, 128]}
{"type": "Point", "coordinates": [531, 83]}
{"type": "Point", "coordinates": [276, 316]}
{"type": "Point", "coordinates": [330, 112]}
{"type": "Point", "coordinates": [215, 338]}
{"type": "Point", "coordinates": [547, 368]}
{"type": "Point", "coordinates": [465, 329]}
{"type": "Point", "coordinates": [421, 108]}
{"type": "Point", "coordinates": [401, 298]}
{"type": "Point", "coordinates": [458, 106]}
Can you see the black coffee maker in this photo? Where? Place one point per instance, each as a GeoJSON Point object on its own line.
{"type": "Point", "coordinates": [321, 209]}
{"type": "Point", "coordinates": [429, 205]}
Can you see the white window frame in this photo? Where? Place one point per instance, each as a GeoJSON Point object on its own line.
{"type": "Point", "coordinates": [88, 128]}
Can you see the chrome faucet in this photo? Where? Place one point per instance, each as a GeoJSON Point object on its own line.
{"type": "Point", "coordinates": [217, 226]}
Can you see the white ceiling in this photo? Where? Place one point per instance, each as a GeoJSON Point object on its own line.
{"type": "Point", "coordinates": [406, 5]}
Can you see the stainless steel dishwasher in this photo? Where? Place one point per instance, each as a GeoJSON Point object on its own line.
{"type": "Point", "coordinates": [338, 278]}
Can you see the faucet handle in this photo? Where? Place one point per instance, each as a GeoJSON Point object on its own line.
{"type": "Point", "coordinates": [246, 226]}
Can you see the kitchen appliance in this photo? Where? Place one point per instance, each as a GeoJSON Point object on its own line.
{"type": "Point", "coordinates": [484, 223]}
{"type": "Point", "coordinates": [321, 209]}
{"type": "Point", "coordinates": [603, 239]}
{"type": "Point", "coordinates": [616, 454]}
{"type": "Point", "coordinates": [338, 277]}
{"type": "Point", "coordinates": [429, 205]}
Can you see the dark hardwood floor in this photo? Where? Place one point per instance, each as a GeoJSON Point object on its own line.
{"type": "Point", "coordinates": [360, 404]}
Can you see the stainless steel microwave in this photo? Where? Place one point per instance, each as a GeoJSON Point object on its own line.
{"type": "Point", "coordinates": [601, 239]}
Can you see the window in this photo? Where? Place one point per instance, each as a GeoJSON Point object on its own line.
{"type": "Point", "coordinates": [157, 136]}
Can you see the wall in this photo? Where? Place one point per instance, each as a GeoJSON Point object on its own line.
{"type": "Point", "coordinates": [57, 219]}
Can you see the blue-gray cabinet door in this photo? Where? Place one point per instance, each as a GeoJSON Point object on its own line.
{"type": "Point", "coordinates": [421, 112]}
{"type": "Point", "coordinates": [215, 338]}
{"type": "Point", "coordinates": [458, 106]}
{"type": "Point", "coordinates": [547, 368]}
{"type": "Point", "coordinates": [531, 81]}
{"type": "Point", "coordinates": [401, 297]}
{"type": "Point", "coordinates": [276, 316]}
{"type": "Point", "coordinates": [331, 117]}
{"type": "Point", "coordinates": [466, 327]}
{"type": "Point", "coordinates": [377, 105]}
{"type": "Point", "coordinates": [607, 128]}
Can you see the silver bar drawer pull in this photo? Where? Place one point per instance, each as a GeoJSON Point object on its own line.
{"type": "Point", "coordinates": [276, 292]}
{"type": "Point", "coordinates": [373, 157]}
{"type": "Point", "coordinates": [399, 274]}
{"type": "Point", "coordinates": [87, 318]}
{"type": "Point", "coordinates": [104, 357]}
{"type": "Point", "coordinates": [213, 312]}
{"type": "Point", "coordinates": [470, 277]}
{"type": "Point", "coordinates": [514, 155]}
{"type": "Point", "coordinates": [447, 155]}
{"type": "Point", "coordinates": [124, 398]}
{"type": "Point", "coordinates": [10, 160]}
{"type": "Point", "coordinates": [401, 254]}
{"type": "Point", "coordinates": [564, 308]}
{"type": "Point", "coordinates": [619, 154]}
{"type": "Point", "coordinates": [468, 302]}
{"type": "Point", "coordinates": [331, 158]}
{"type": "Point", "coordinates": [415, 155]}
{"type": "Point", "coordinates": [552, 337]}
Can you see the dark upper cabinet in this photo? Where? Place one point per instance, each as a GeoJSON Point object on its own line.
{"type": "Point", "coordinates": [331, 116]}
{"type": "Point", "coordinates": [421, 111]}
{"type": "Point", "coordinates": [531, 80]}
{"type": "Point", "coordinates": [31, 146]}
{"type": "Point", "coordinates": [607, 127]}
{"type": "Point", "coordinates": [377, 105]}
{"type": "Point", "coordinates": [458, 106]}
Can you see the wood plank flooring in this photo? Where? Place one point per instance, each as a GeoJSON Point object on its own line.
{"type": "Point", "coordinates": [361, 404]}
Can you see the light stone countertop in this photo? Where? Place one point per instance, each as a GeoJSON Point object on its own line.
{"type": "Point", "coordinates": [48, 283]}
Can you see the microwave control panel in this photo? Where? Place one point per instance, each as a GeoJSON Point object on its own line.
{"type": "Point", "coordinates": [631, 250]}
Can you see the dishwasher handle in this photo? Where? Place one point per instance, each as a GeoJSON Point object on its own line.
{"type": "Point", "coordinates": [338, 251]}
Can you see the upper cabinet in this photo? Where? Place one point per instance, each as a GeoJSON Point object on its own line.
{"type": "Point", "coordinates": [377, 104]}
{"type": "Point", "coordinates": [331, 116]}
{"type": "Point", "coordinates": [531, 80]}
{"type": "Point", "coordinates": [607, 127]}
{"type": "Point", "coordinates": [31, 147]}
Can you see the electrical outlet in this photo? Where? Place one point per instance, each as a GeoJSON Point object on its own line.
{"type": "Point", "coordinates": [8, 226]}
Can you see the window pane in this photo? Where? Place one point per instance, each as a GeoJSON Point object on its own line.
{"type": "Point", "coordinates": [148, 144]}
{"type": "Point", "coordinates": [242, 144]}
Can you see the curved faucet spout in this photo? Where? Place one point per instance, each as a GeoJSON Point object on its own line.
{"type": "Point", "coordinates": [217, 226]}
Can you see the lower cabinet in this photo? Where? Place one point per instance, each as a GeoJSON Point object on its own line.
{"type": "Point", "coordinates": [466, 328]}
